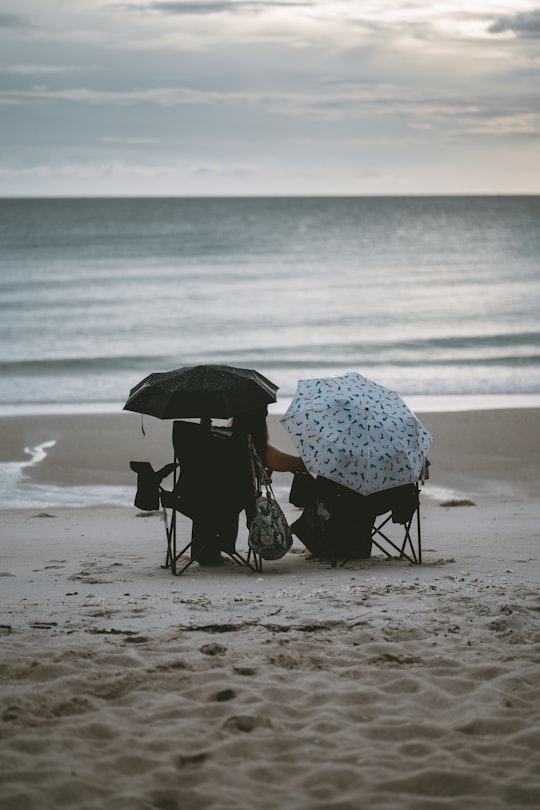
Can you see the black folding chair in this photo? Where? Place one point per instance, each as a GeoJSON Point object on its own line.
{"type": "Point", "coordinates": [402, 528]}
{"type": "Point", "coordinates": [212, 483]}
{"type": "Point", "coordinates": [339, 524]}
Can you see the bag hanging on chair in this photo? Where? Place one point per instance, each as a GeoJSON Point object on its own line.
{"type": "Point", "coordinates": [269, 535]}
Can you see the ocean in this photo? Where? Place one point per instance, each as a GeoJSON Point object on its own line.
{"type": "Point", "coordinates": [433, 296]}
{"type": "Point", "coordinates": [437, 297]}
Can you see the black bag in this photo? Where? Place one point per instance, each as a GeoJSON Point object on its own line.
{"type": "Point", "coordinates": [310, 531]}
{"type": "Point", "coordinates": [302, 489]}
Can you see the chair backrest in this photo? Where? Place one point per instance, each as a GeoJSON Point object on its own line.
{"type": "Point", "coordinates": [402, 501]}
{"type": "Point", "coordinates": [215, 470]}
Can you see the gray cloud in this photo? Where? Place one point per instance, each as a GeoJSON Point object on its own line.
{"type": "Point", "coordinates": [125, 169]}
{"type": "Point", "coordinates": [37, 70]}
{"type": "Point", "coordinates": [209, 6]}
{"type": "Point", "coordinates": [526, 24]}
{"type": "Point", "coordinates": [128, 141]}
{"type": "Point", "coordinates": [159, 96]}
{"type": "Point", "coordinates": [236, 98]}
{"type": "Point", "coordinates": [13, 21]}
{"type": "Point", "coordinates": [416, 110]}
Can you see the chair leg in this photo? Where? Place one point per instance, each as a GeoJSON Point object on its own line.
{"type": "Point", "coordinates": [419, 534]}
{"type": "Point", "coordinates": [377, 530]}
{"type": "Point", "coordinates": [407, 549]}
{"type": "Point", "coordinates": [412, 555]}
{"type": "Point", "coordinates": [168, 534]}
{"type": "Point", "coordinates": [178, 572]}
{"type": "Point", "coordinates": [173, 557]}
{"type": "Point", "coordinates": [416, 553]}
{"type": "Point", "coordinates": [256, 567]}
{"type": "Point", "coordinates": [407, 540]}
{"type": "Point", "coordinates": [257, 561]}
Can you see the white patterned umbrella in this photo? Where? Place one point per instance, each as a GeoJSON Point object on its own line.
{"type": "Point", "coordinates": [357, 433]}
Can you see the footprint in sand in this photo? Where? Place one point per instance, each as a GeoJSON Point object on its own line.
{"type": "Point", "coordinates": [191, 759]}
{"type": "Point", "coordinates": [245, 670]}
{"type": "Point", "coordinates": [223, 695]}
{"type": "Point", "coordinates": [246, 723]}
{"type": "Point", "coordinates": [213, 649]}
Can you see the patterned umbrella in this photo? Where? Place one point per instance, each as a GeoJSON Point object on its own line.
{"type": "Point", "coordinates": [356, 432]}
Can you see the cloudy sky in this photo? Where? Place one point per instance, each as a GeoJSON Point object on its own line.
{"type": "Point", "coordinates": [219, 97]}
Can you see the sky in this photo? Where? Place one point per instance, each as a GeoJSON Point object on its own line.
{"type": "Point", "coordinates": [269, 97]}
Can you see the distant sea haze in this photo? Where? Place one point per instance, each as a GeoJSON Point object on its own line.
{"type": "Point", "coordinates": [432, 296]}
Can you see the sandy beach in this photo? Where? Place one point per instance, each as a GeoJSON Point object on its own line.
{"type": "Point", "coordinates": [379, 684]}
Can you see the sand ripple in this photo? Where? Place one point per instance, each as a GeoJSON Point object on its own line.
{"type": "Point", "coordinates": [338, 717]}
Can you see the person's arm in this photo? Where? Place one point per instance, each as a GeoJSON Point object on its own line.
{"type": "Point", "coordinates": [279, 461]}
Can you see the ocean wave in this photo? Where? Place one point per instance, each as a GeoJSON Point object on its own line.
{"type": "Point", "coordinates": [497, 351]}
{"type": "Point", "coordinates": [424, 295]}
{"type": "Point", "coordinates": [67, 365]}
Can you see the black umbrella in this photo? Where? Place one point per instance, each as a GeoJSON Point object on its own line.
{"type": "Point", "coordinates": [199, 391]}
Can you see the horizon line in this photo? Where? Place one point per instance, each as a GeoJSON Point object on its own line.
{"type": "Point", "coordinates": [261, 196]}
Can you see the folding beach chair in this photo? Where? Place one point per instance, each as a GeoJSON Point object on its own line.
{"type": "Point", "coordinates": [398, 528]}
{"type": "Point", "coordinates": [340, 524]}
{"type": "Point", "coordinates": [212, 483]}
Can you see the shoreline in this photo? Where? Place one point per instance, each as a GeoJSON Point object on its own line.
{"type": "Point", "coordinates": [493, 452]}
{"type": "Point", "coordinates": [419, 403]}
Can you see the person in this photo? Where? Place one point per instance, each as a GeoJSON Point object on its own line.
{"type": "Point", "coordinates": [348, 519]}
{"type": "Point", "coordinates": [215, 526]}
{"type": "Point", "coordinates": [253, 423]}
{"type": "Point", "coordinates": [336, 522]}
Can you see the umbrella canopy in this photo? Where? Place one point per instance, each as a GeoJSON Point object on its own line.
{"type": "Point", "coordinates": [201, 391]}
{"type": "Point", "coordinates": [357, 433]}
